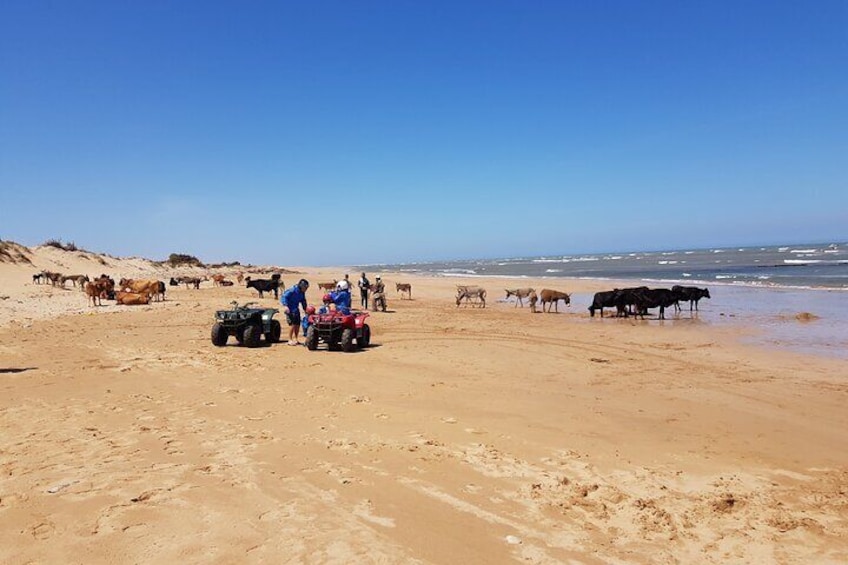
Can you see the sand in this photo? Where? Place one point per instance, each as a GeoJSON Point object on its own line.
{"type": "Point", "coordinates": [463, 435]}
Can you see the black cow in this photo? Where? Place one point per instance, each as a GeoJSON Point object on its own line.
{"type": "Point", "coordinates": [691, 293]}
{"type": "Point", "coordinates": [625, 298]}
{"type": "Point", "coordinates": [174, 282]}
{"type": "Point", "coordinates": [265, 285]}
{"type": "Point", "coordinates": [602, 300]}
{"type": "Point", "coordinates": [660, 298]}
{"type": "Point", "coordinates": [162, 289]}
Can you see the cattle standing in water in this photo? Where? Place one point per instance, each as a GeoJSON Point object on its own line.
{"type": "Point", "coordinates": [690, 293]}
{"type": "Point", "coordinates": [602, 300]}
{"type": "Point", "coordinates": [660, 298]}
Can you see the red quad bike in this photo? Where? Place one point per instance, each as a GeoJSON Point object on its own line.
{"type": "Point", "coordinates": [338, 331]}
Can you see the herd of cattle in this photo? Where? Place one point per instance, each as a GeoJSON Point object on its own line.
{"type": "Point", "coordinates": [635, 301]}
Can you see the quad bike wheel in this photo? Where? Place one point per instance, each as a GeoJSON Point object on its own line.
{"type": "Point", "coordinates": [219, 335]}
{"type": "Point", "coordinates": [347, 340]}
{"type": "Point", "coordinates": [252, 333]}
{"type": "Point", "coordinates": [365, 340]}
{"type": "Point", "coordinates": [311, 339]}
{"type": "Point", "coordinates": [273, 336]}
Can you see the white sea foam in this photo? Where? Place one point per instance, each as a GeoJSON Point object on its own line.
{"type": "Point", "coordinates": [687, 274]}
{"type": "Point", "coordinates": [783, 249]}
{"type": "Point", "coordinates": [553, 270]}
{"type": "Point", "coordinates": [804, 251]}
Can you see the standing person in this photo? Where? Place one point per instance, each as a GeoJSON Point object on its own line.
{"type": "Point", "coordinates": [378, 294]}
{"type": "Point", "coordinates": [292, 300]}
{"type": "Point", "coordinates": [364, 285]}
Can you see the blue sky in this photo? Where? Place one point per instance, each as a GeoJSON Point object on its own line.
{"type": "Point", "coordinates": [316, 133]}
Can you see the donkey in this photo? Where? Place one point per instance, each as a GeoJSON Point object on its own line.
{"type": "Point", "coordinates": [552, 297]}
{"type": "Point", "coordinates": [471, 294]}
{"type": "Point", "coordinates": [520, 294]}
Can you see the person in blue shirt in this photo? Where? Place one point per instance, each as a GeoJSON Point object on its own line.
{"type": "Point", "coordinates": [341, 297]}
{"type": "Point", "coordinates": [292, 300]}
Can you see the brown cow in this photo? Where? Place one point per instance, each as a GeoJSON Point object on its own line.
{"type": "Point", "coordinates": [131, 298]}
{"type": "Point", "coordinates": [240, 277]}
{"type": "Point", "coordinates": [96, 291]}
{"type": "Point", "coordinates": [217, 280]}
{"type": "Point", "coordinates": [328, 285]}
{"type": "Point", "coordinates": [150, 287]}
{"type": "Point", "coordinates": [552, 297]}
{"type": "Point", "coordinates": [404, 287]}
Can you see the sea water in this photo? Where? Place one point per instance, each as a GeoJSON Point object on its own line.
{"type": "Point", "coordinates": [795, 296]}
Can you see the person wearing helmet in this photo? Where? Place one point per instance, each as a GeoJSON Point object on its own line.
{"type": "Point", "coordinates": [341, 298]}
{"type": "Point", "coordinates": [327, 300]}
{"type": "Point", "coordinates": [292, 300]}
{"type": "Point", "coordinates": [310, 310]}
{"type": "Point", "coordinates": [342, 285]}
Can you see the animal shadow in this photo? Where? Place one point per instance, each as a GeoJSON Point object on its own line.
{"type": "Point", "coordinates": [16, 370]}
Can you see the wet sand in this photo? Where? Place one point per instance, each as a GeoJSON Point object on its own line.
{"type": "Point", "coordinates": [462, 435]}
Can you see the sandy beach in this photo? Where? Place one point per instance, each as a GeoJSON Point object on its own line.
{"type": "Point", "coordinates": [463, 435]}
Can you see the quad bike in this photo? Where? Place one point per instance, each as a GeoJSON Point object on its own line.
{"type": "Point", "coordinates": [338, 330]}
{"type": "Point", "coordinates": [248, 324]}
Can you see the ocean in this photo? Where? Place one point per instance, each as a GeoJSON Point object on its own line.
{"type": "Point", "coordinates": [790, 266]}
{"type": "Point", "coordinates": [772, 289]}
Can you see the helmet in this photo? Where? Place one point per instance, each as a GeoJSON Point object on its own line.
{"type": "Point", "coordinates": [343, 285]}
{"type": "Point", "coordinates": [310, 310]}
{"type": "Point", "coordinates": [378, 277]}
{"type": "Point", "coordinates": [327, 298]}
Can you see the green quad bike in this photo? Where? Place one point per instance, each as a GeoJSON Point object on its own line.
{"type": "Point", "coordinates": [248, 324]}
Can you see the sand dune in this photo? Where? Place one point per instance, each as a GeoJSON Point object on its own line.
{"type": "Point", "coordinates": [462, 436]}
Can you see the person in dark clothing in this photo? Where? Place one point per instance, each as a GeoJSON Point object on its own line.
{"type": "Point", "coordinates": [364, 286]}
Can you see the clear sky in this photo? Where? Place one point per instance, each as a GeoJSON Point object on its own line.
{"type": "Point", "coordinates": [315, 133]}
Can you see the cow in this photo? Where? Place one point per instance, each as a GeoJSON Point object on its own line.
{"type": "Point", "coordinates": [519, 294]}
{"type": "Point", "coordinates": [265, 285]}
{"type": "Point", "coordinates": [174, 282]}
{"type": "Point", "coordinates": [552, 297]}
{"type": "Point", "coordinates": [139, 286]}
{"type": "Point", "coordinates": [471, 294]}
{"type": "Point", "coordinates": [690, 293]}
{"type": "Point", "coordinates": [217, 280]}
{"type": "Point", "coordinates": [240, 277]}
{"type": "Point", "coordinates": [625, 299]}
{"type": "Point", "coordinates": [602, 300]}
{"type": "Point", "coordinates": [225, 282]}
{"type": "Point", "coordinates": [37, 278]}
{"type": "Point", "coordinates": [404, 287]}
{"type": "Point", "coordinates": [193, 281]}
{"type": "Point", "coordinates": [96, 291]}
{"type": "Point", "coordinates": [660, 298]}
{"type": "Point", "coordinates": [328, 286]}
{"type": "Point", "coordinates": [132, 298]}
{"type": "Point", "coordinates": [161, 289]}
{"type": "Point", "coordinates": [533, 299]}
